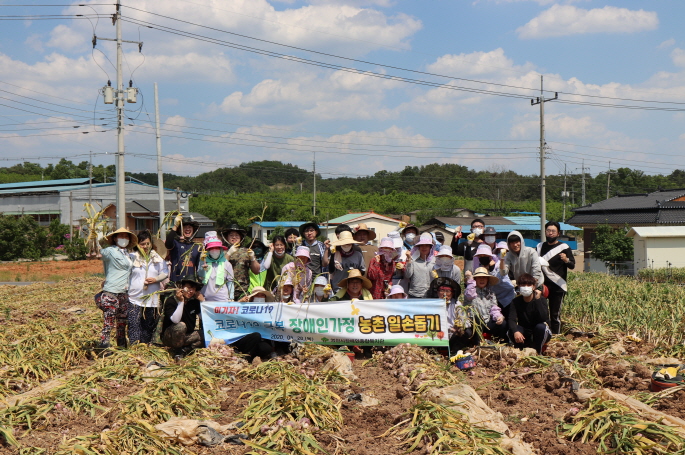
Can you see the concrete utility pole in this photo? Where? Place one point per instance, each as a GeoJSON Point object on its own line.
{"type": "Point", "coordinates": [583, 174]}
{"type": "Point", "coordinates": [131, 94]}
{"type": "Point", "coordinates": [609, 180]}
{"type": "Point", "coordinates": [160, 174]}
{"type": "Point", "coordinates": [543, 197]}
{"type": "Point", "coordinates": [90, 179]}
{"type": "Point", "coordinates": [565, 194]}
{"type": "Point", "coordinates": [314, 210]}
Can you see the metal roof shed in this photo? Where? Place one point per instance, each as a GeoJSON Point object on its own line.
{"type": "Point", "coordinates": [658, 246]}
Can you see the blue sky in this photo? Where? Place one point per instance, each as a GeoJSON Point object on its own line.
{"type": "Point", "coordinates": [221, 106]}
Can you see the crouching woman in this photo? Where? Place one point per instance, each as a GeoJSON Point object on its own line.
{"type": "Point", "coordinates": [529, 316]}
{"type": "Point", "coordinates": [480, 306]}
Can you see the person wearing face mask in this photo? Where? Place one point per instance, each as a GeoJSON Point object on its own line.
{"type": "Point", "coordinates": [420, 264]}
{"type": "Point", "coordinates": [322, 290]}
{"type": "Point", "coordinates": [149, 270]}
{"type": "Point", "coordinates": [444, 265]}
{"type": "Point", "coordinates": [345, 258]}
{"type": "Point", "coordinates": [216, 272]}
{"type": "Point", "coordinates": [529, 316]}
{"type": "Point", "coordinates": [355, 287]}
{"type": "Point", "coordinates": [318, 251]}
{"type": "Point", "coordinates": [275, 260]}
{"type": "Point", "coordinates": [364, 235]}
{"type": "Point", "coordinates": [298, 274]}
{"type": "Point", "coordinates": [468, 248]}
{"type": "Point", "coordinates": [382, 268]}
{"type": "Point", "coordinates": [242, 259]}
{"type": "Point", "coordinates": [481, 302]}
{"type": "Point", "coordinates": [489, 237]}
{"type": "Point", "coordinates": [114, 300]}
{"type": "Point", "coordinates": [184, 253]}
{"type": "Point", "coordinates": [556, 258]}
{"type": "Point", "coordinates": [504, 288]}
{"type": "Point", "coordinates": [410, 233]}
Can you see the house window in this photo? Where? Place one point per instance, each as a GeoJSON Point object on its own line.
{"type": "Point", "coordinates": [141, 225]}
{"type": "Point", "coordinates": [155, 226]}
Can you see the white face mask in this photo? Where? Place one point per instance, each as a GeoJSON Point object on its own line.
{"type": "Point", "coordinates": [122, 242]}
{"type": "Point", "coordinates": [387, 256]}
{"type": "Point", "coordinates": [526, 291]}
{"type": "Point", "coordinates": [215, 253]}
{"type": "Point", "coordinates": [445, 263]}
{"type": "Point", "coordinates": [346, 248]}
{"type": "Point", "coordinates": [477, 231]}
{"type": "Point", "coordinates": [489, 239]}
{"type": "Point", "coordinates": [410, 238]}
{"type": "Point", "coordinates": [259, 299]}
{"type": "Point", "coordinates": [318, 292]}
{"type": "Point", "coordinates": [286, 296]}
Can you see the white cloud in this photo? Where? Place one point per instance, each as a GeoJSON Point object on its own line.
{"type": "Point", "coordinates": [66, 38]}
{"type": "Point", "coordinates": [678, 56]}
{"type": "Point", "coordinates": [563, 20]}
{"type": "Point", "coordinates": [476, 63]}
{"type": "Point", "coordinates": [560, 126]}
{"type": "Point", "coordinates": [667, 43]}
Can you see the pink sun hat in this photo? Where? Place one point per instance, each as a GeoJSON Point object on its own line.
{"type": "Point", "coordinates": [302, 251]}
{"type": "Point", "coordinates": [212, 241]}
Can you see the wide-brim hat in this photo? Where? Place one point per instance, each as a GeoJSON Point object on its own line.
{"type": "Point", "coordinates": [190, 279]}
{"type": "Point", "coordinates": [189, 221]}
{"type": "Point", "coordinates": [407, 227]}
{"type": "Point", "coordinates": [346, 238]}
{"type": "Point", "coordinates": [212, 241]}
{"type": "Point", "coordinates": [260, 290]}
{"type": "Point", "coordinates": [233, 227]}
{"type": "Point", "coordinates": [133, 239]}
{"type": "Point", "coordinates": [502, 245]}
{"type": "Point", "coordinates": [302, 251]}
{"type": "Point", "coordinates": [397, 289]}
{"type": "Point", "coordinates": [321, 280]}
{"type": "Point", "coordinates": [445, 250]}
{"type": "Point", "coordinates": [355, 273]}
{"type": "Point", "coordinates": [364, 227]}
{"type": "Point", "coordinates": [437, 283]}
{"type": "Point", "coordinates": [311, 224]}
{"type": "Point", "coordinates": [396, 238]}
{"type": "Point", "coordinates": [489, 230]}
{"type": "Point", "coordinates": [483, 249]}
{"type": "Point", "coordinates": [160, 247]}
{"type": "Point", "coordinates": [425, 239]}
{"type": "Point", "coordinates": [482, 271]}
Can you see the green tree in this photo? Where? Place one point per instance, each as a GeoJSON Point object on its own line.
{"type": "Point", "coordinates": [612, 244]}
{"type": "Point", "coordinates": [22, 238]}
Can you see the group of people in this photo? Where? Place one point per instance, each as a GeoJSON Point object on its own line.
{"type": "Point", "coordinates": [512, 291]}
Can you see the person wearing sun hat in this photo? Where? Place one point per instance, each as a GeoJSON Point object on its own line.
{"type": "Point", "coordinates": [504, 288]}
{"type": "Point", "coordinates": [449, 290]}
{"type": "Point", "coordinates": [396, 292]}
{"type": "Point", "coordinates": [242, 259]}
{"type": "Point", "coordinates": [322, 289]}
{"type": "Point", "coordinates": [444, 265]}
{"type": "Point", "coordinates": [364, 235]}
{"type": "Point", "coordinates": [401, 263]}
{"type": "Point", "coordinates": [485, 312]}
{"type": "Point", "coordinates": [410, 234]}
{"type": "Point", "coordinates": [420, 264]}
{"type": "Point", "coordinates": [298, 274]}
{"type": "Point", "coordinates": [215, 271]}
{"type": "Point", "coordinates": [114, 301]}
{"type": "Point", "coordinates": [318, 251]}
{"type": "Point", "coordinates": [355, 287]}
{"type": "Point", "coordinates": [184, 253]}
{"type": "Point", "coordinates": [382, 268]}
{"type": "Point", "coordinates": [180, 314]}
{"type": "Point", "coordinates": [345, 258]}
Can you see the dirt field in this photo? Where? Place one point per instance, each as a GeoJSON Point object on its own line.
{"type": "Point", "coordinates": [47, 270]}
{"type": "Point", "coordinates": [110, 405]}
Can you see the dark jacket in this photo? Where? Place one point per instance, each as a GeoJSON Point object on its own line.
{"type": "Point", "coordinates": [558, 266]}
{"type": "Point", "coordinates": [184, 256]}
{"type": "Point", "coordinates": [526, 315]}
{"type": "Point", "coordinates": [191, 310]}
{"type": "Point", "coordinates": [463, 248]}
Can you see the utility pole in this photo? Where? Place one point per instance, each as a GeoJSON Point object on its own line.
{"type": "Point", "coordinates": [90, 180]}
{"type": "Point", "coordinates": [563, 218]}
{"type": "Point", "coordinates": [131, 94]}
{"type": "Point", "coordinates": [314, 211]}
{"type": "Point", "coordinates": [71, 216]}
{"type": "Point", "coordinates": [160, 174]}
{"type": "Point", "coordinates": [543, 197]}
{"type": "Point", "coordinates": [178, 198]}
{"type": "Point", "coordinates": [609, 180]}
{"type": "Point", "coordinates": [583, 175]}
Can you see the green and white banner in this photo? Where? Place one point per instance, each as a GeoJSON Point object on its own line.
{"type": "Point", "coordinates": [422, 322]}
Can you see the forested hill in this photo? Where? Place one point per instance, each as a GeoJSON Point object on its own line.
{"type": "Point", "coordinates": [496, 184]}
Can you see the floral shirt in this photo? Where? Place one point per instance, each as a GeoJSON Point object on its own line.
{"type": "Point", "coordinates": [240, 260]}
{"type": "Point", "coordinates": [380, 271]}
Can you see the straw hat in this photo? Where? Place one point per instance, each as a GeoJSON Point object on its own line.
{"type": "Point", "coordinates": [364, 227]}
{"type": "Point", "coordinates": [160, 247]}
{"type": "Point", "coordinates": [260, 290]}
{"type": "Point", "coordinates": [482, 271]}
{"type": "Point", "coordinates": [346, 238]}
{"type": "Point", "coordinates": [133, 239]}
{"type": "Point", "coordinates": [355, 273]}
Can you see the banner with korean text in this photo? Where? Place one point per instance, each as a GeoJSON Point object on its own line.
{"type": "Point", "coordinates": [390, 322]}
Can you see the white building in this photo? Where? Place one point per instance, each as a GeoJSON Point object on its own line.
{"type": "Point", "coordinates": [658, 246]}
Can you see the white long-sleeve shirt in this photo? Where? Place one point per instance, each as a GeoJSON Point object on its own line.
{"type": "Point", "coordinates": [155, 267]}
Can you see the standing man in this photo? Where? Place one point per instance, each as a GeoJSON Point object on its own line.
{"type": "Point", "coordinates": [364, 235]}
{"type": "Point", "coordinates": [556, 259]}
{"type": "Point", "coordinates": [318, 251]}
{"type": "Point", "coordinates": [184, 253]}
{"type": "Point", "coordinates": [468, 248]}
